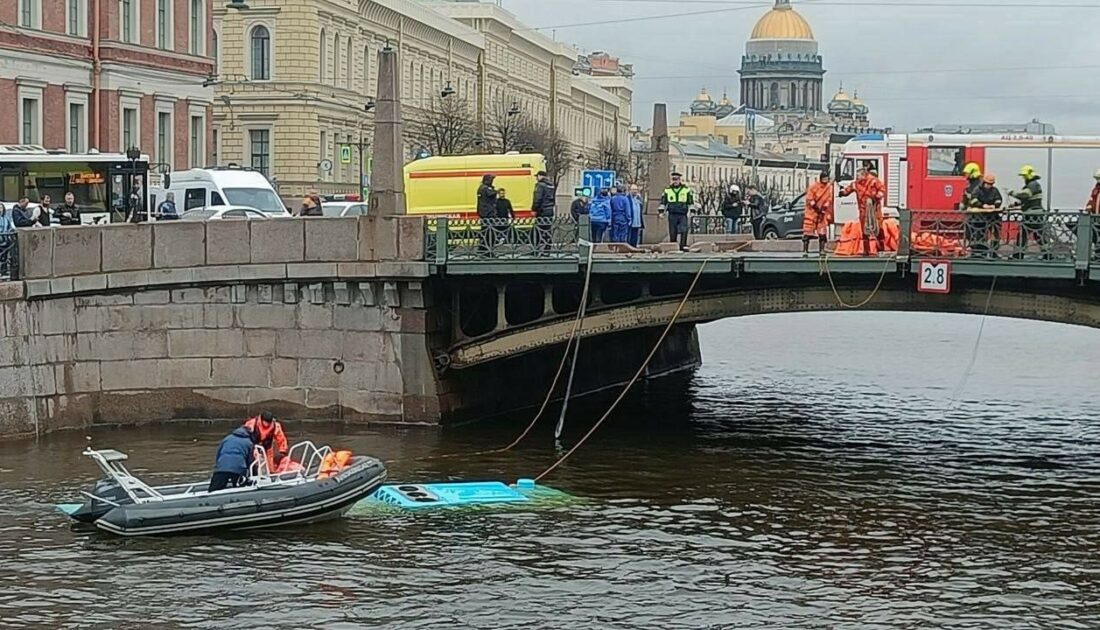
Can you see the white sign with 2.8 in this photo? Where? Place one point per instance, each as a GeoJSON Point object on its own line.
{"type": "Point", "coordinates": [934, 276]}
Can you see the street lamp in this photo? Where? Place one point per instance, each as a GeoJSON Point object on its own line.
{"type": "Point", "coordinates": [448, 90]}
{"type": "Point", "coordinates": [369, 105]}
{"type": "Point", "coordinates": [514, 109]}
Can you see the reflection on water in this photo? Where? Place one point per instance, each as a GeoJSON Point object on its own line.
{"type": "Point", "coordinates": [816, 472]}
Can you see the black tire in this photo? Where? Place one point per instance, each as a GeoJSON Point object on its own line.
{"type": "Point", "coordinates": [771, 234]}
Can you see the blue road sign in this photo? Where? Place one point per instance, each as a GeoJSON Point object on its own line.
{"type": "Point", "coordinates": [598, 179]}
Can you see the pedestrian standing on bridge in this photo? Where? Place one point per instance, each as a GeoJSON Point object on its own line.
{"type": "Point", "coordinates": [732, 208]}
{"type": "Point", "coordinates": [486, 213]}
{"type": "Point", "coordinates": [758, 209]}
{"type": "Point", "coordinates": [622, 209]}
{"type": "Point", "coordinates": [544, 205]}
{"type": "Point", "coordinates": [818, 214]}
{"type": "Point", "coordinates": [637, 218]}
{"type": "Point", "coordinates": [677, 201]}
{"type": "Point", "coordinates": [983, 225]}
{"type": "Point", "coordinates": [599, 214]}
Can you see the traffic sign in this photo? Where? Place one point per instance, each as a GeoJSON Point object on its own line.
{"type": "Point", "coordinates": [345, 154]}
{"type": "Point", "coordinates": [934, 276]}
{"type": "Point", "coordinates": [597, 180]}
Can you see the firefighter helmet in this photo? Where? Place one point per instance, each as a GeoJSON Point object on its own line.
{"type": "Point", "coordinates": [1027, 171]}
{"type": "Point", "coordinates": [972, 170]}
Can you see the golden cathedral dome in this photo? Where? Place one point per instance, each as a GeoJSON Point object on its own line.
{"type": "Point", "coordinates": [703, 96]}
{"type": "Point", "coordinates": [841, 96]}
{"type": "Point", "coordinates": [782, 22]}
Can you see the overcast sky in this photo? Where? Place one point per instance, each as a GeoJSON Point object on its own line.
{"type": "Point", "coordinates": [893, 51]}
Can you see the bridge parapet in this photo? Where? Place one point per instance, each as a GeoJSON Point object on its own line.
{"type": "Point", "coordinates": [82, 259]}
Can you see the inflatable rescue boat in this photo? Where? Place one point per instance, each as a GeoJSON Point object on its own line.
{"type": "Point", "coordinates": [324, 484]}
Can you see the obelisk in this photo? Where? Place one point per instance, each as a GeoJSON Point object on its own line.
{"type": "Point", "coordinates": [656, 227]}
{"type": "Point", "coordinates": [387, 193]}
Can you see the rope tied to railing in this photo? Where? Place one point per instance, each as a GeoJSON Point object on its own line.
{"type": "Point", "coordinates": [634, 379]}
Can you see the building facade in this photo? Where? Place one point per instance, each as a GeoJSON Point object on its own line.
{"type": "Point", "coordinates": [295, 83]}
{"type": "Point", "coordinates": [108, 75]}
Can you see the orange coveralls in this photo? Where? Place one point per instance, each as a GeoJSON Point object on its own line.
{"type": "Point", "coordinates": [272, 438]}
{"type": "Point", "coordinates": [819, 209]}
{"type": "Point", "coordinates": [869, 187]}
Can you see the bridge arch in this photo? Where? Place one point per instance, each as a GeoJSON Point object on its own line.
{"type": "Point", "coordinates": [1064, 304]}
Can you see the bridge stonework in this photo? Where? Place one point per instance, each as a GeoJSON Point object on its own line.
{"type": "Point", "coordinates": [131, 324]}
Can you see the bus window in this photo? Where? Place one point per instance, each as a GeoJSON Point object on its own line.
{"type": "Point", "coordinates": [194, 198]}
{"type": "Point", "coordinates": [945, 161]}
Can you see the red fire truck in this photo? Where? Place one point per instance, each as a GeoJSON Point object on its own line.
{"type": "Point", "coordinates": [924, 172]}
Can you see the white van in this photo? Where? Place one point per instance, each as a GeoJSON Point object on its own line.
{"type": "Point", "coordinates": [222, 186]}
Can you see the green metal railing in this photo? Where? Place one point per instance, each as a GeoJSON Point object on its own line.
{"type": "Point", "coordinates": [449, 239]}
{"type": "Point", "coordinates": [1007, 235]}
{"type": "Point", "coordinates": [9, 256]}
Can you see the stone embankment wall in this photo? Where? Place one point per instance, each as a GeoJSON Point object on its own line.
{"type": "Point", "coordinates": [133, 323]}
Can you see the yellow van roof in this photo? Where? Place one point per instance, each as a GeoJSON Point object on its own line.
{"type": "Point", "coordinates": [478, 162]}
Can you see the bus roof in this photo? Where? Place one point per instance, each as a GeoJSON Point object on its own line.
{"type": "Point", "coordinates": [35, 153]}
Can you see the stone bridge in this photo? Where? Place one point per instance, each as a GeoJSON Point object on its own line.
{"type": "Point", "coordinates": [371, 319]}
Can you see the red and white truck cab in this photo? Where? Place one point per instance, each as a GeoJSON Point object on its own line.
{"type": "Point", "coordinates": [924, 171]}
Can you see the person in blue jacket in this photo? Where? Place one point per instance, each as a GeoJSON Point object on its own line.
{"type": "Point", "coordinates": [622, 210]}
{"type": "Point", "coordinates": [599, 213]}
{"type": "Point", "coordinates": [235, 454]}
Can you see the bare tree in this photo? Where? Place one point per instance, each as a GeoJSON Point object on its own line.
{"type": "Point", "coordinates": [551, 143]}
{"type": "Point", "coordinates": [449, 128]}
{"type": "Point", "coordinates": [504, 127]}
{"type": "Point", "coordinates": [638, 171]}
{"type": "Point", "coordinates": [609, 157]}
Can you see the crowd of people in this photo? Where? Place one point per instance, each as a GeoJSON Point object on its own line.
{"type": "Point", "coordinates": [614, 215]}
{"type": "Point", "coordinates": [497, 213]}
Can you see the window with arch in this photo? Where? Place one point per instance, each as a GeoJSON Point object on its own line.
{"type": "Point", "coordinates": [336, 59]}
{"type": "Point", "coordinates": [323, 65]}
{"type": "Point", "coordinates": [350, 65]}
{"type": "Point", "coordinates": [773, 97]}
{"type": "Point", "coordinates": [366, 68]}
{"type": "Point", "coordinates": [260, 45]}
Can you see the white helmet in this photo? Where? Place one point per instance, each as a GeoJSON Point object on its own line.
{"type": "Point", "coordinates": [736, 188]}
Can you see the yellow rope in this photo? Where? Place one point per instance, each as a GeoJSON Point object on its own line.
{"type": "Point", "coordinates": [637, 375]}
{"type": "Point", "coordinates": [581, 311]}
{"type": "Point", "coordinates": [840, 300]}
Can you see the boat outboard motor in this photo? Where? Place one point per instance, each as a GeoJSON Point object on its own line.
{"type": "Point", "coordinates": [92, 509]}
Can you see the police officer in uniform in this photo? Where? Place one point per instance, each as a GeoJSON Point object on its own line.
{"type": "Point", "coordinates": [676, 201]}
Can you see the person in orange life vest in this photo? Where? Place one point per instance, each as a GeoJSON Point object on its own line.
{"type": "Point", "coordinates": [269, 434]}
{"type": "Point", "coordinates": [818, 214]}
{"type": "Point", "coordinates": [869, 190]}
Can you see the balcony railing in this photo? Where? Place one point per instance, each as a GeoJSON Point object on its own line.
{"type": "Point", "coordinates": [449, 239]}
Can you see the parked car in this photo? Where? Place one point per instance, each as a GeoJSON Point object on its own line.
{"type": "Point", "coordinates": [218, 213]}
{"type": "Point", "coordinates": [344, 208]}
{"type": "Point", "coordinates": [785, 220]}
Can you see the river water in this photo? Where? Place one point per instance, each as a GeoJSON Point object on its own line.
{"type": "Point", "coordinates": [819, 471]}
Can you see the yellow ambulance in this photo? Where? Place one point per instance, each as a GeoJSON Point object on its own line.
{"type": "Point", "coordinates": [447, 186]}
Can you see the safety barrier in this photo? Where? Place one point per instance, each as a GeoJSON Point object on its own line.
{"type": "Point", "coordinates": [500, 239]}
{"type": "Point", "coordinates": [9, 256]}
{"type": "Point", "coordinates": [1043, 236]}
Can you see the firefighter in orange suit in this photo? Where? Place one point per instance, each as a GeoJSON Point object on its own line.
{"type": "Point", "coordinates": [818, 214]}
{"type": "Point", "coordinates": [870, 195]}
{"type": "Point", "coordinates": [269, 433]}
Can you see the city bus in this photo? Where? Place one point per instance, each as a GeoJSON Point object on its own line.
{"type": "Point", "coordinates": [102, 183]}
